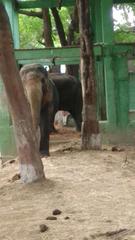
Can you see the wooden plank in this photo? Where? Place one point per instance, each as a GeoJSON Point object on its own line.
{"type": "Point", "coordinates": [48, 62]}
{"type": "Point", "coordinates": [65, 54]}
{"type": "Point", "coordinates": [123, 1]}
{"type": "Point", "coordinates": [44, 3]}
{"type": "Point", "coordinates": [47, 53]}
{"type": "Point", "coordinates": [54, 3]}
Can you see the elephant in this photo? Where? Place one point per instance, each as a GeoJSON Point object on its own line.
{"type": "Point", "coordinates": [41, 94]}
{"type": "Point", "coordinates": [70, 95]}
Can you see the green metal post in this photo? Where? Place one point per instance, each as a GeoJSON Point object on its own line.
{"type": "Point", "coordinates": [103, 25]}
{"type": "Point", "coordinates": [97, 29]}
{"type": "Point", "coordinates": [107, 37]}
{"type": "Point", "coordinates": [122, 90]}
{"type": "Point", "coordinates": [96, 20]}
{"type": "Point", "coordinates": [107, 21]}
{"type": "Point", "coordinates": [13, 17]}
{"type": "Point", "coordinates": [7, 143]}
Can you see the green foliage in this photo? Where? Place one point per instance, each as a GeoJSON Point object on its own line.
{"type": "Point", "coordinates": [64, 15]}
{"type": "Point", "coordinates": [124, 37]}
{"type": "Point", "coordinates": [31, 30]}
{"type": "Point", "coordinates": [125, 32]}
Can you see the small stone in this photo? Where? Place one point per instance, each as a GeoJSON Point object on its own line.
{"type": "Point", "coordinates": [16, 177]}
{"type": "Point", "coordinates": [12, 161]}
{"type": "Point", "coordinates": [104, 149]}
{"type": "Point", "coordinates": [121, 149]}
{"type": "Point", "coordinates": [114, 149]}
{"type": "Point", "coordinates": [66, 218]}
{"type": "Point", "coordinates": [43, 228]}
{"type": "Point", "coordinates": [51, 218]}
{"type": "Point", "coordinates": [56, 212]}
{"type": "Point", "coordinates": [108, 221]}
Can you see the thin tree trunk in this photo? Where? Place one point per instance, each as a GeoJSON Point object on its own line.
{"type": "Point", "coordinates": [47, 28]}
{"type": "Point", "coordinates": [48, 35]}
{"type": "Point", "coordinates": [31, 167]}
{"type": "Point", "coordinates": [73, 27]}
{"type": "Point", "coordinates": [90, 128]}
{"type": "Point", "coordinates": [59, 27]}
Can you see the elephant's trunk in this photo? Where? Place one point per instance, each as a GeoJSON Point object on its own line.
{"type": "Point", "coordinates": [33, 89]}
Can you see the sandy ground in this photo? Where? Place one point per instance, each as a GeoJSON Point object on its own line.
{"type": "Point", "coordinates": [94, 190]}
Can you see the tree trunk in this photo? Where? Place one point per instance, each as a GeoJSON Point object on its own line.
{"type": "Point", "coordinates": [90, 128]}
{"type": "Point", "coordinates": [59, 27]}
{"type": "Point", "coordinates": [47, 28]}
{"type": "Point", "coordinates": [73, 27]}
{"type": "Point", "coordinates": [31, 167]}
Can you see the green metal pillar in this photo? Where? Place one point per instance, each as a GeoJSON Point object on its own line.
{"type": "Point", "coordinates": [122, 90]}
{"type": "Point", "coordinates": [107, 37]}
{"type": "Point", "coordinates": [96, 20]}
{"type": "Point", "coordinates": [13, 17]}
{"type": "Point", "coordinates": [97, 30]}
{"type": "Point", "coordinates": [103, 25]}
{"type": "Point", "coordinates": [7, 143]}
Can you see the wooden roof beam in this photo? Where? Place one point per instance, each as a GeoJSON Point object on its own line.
{"type": "Point", "coordinates": [43, 4]}
{"type": "Point", "coordinates": [123, 1]}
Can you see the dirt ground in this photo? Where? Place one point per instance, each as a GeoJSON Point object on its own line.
{"type": "Point", "coordinates": [94, 190]}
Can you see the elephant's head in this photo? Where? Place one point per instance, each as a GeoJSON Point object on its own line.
{"type": "Point", "coordinates": [35, 81]}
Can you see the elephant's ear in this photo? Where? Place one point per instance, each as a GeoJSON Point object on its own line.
{"type": "Point", "coordinates": [44, 82]}
{"type": "Point", "coordinates": [45, 73]}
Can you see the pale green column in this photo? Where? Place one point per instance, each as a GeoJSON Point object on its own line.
{"type": "Point", "coordinates": [103, 29]}
{"type": "Point", "coordinates": [7, 143]}
{"type": "Point", "coordinates": [97, 30]}
{"type": "Point", "coordinates": [122, 90]}
{"type": "Point", "coordinates": [97, 20]}
{"type": "Point", "coordinates": [107, 38]}
{"type": "Point", "coordinates": [13, 17]}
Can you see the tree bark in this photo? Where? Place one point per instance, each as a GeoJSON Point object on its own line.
{"type": "Point", "coordinates": [73, 27]}
{"type": "Point", "coordinates": [90, 128]}
{"type": "Point", "coordinates": [59, 27]}
{"type": "Point", "coordinates": [47, 28]}
{"type": "Point", "coordinates": [31, 167]}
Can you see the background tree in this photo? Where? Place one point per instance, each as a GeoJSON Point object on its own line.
{"type": "Point", "coordinates": [31, 167]}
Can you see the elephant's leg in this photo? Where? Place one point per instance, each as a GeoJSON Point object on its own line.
{"type": "Point", "coordinates": [77, 115]}
{"type": "Point", "coordinates": [77, 108]}
{"type": "Point", "coordinates": [53, 108]}
{"type": "Point", "coordinates": [44, 128]}
{"type": "Point", "coordinates": [38, 135]}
